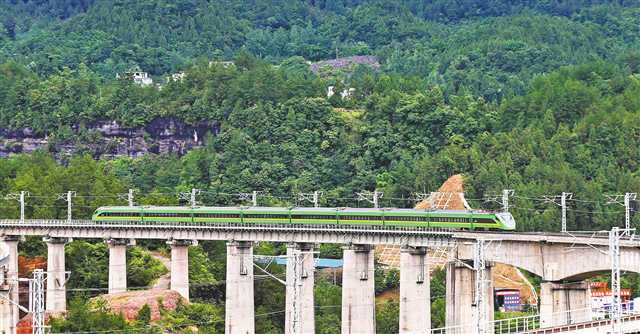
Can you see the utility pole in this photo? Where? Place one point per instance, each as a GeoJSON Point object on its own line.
{"type": "Point", "coordinates": [36, 301]}
{"type": "Point", "coordinates": [194, 192]}
{"type": "Point", "coordinates": [67, 198]}
{"type": "Point", "coordinates": [628, 197]}
{"type": "Point", "coordinates": [505, 199]}
{"type": "Point", "coordinates": [36, 297]}
{"type": "Point", "coordinates": [482, 282]}
{"type": "Point", "coordinates": [296, 274]}
{"type": "Point", "coordinates": [371, 197]}
{"type": "Point", "coordinates": [615, 235]}
{"type": "Point", "coordinates": [296, 284]}
{"type": "Point", "coordinates": [563, 204]}
{"type": "Point", "coordinates": [626, 202]}
{"type": "Point", "coordinates": [130, 197]}
{"type": "Point", "coordinates": [253, 196]}
{"type": "Point", "coordinates": [313, 197]}
{"type": "Point", "coordinates": [20, 197]}
{"type": "Point", "coordinates": [419, 197]}
{"type": "Point", "coordinates": [190, 196]}
{"type": "Point", "coordinates": [479, 265]}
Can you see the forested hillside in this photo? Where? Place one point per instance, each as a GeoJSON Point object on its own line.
{"type": "Point", "coordinates": [537, 96]}
{"type": "Point", "coordinates": [574, 130]}
{"type": "Point", "coordinates": [490, 48]}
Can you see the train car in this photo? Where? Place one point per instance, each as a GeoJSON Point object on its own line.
{"type": "Point", "coordinates": [462, 219]}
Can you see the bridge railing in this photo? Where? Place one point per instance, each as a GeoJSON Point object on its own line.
{"type": "Point", "coordinates": [88, 223]}
{"type": "Point", "coordinates": [531, 323]}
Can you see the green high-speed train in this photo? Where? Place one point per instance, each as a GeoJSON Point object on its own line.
{"type": "Point", "coordinates": [466, 219]}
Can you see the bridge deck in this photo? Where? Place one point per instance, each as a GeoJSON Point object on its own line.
{"type": "Point", "coordinates": [629, 324]}
{"type": "Point", "coordinates": [329, 233]}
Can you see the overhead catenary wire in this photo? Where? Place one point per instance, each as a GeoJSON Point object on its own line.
{"type": "Point", "coordinates": [290, 200]}
{"type": "Point", "coordinates": [326, 196]}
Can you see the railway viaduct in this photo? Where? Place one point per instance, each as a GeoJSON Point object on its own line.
{"type": "Point", "coordinates": [563, 262]}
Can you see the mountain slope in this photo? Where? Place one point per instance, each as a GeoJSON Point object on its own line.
{"type": "Point", "coordinates": [489, 48]}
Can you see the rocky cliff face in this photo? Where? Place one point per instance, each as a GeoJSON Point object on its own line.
{"type": "Point", "coordinates": [109, 139]}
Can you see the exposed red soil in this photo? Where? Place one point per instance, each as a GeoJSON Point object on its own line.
{"type": "Point", "coordinates": [26, 265]}
{"type": "Point", "coordinates": [24, 325]}
{"type": "Point", "coordinates": [129, 303]}
{"type": "Point", "coordinates": [448, 196]}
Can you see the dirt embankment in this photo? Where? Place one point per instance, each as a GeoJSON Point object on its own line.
{"type": "Point", "coordinates": [129, 303]}
{"type": "Point", "coordinates": [450, 196]}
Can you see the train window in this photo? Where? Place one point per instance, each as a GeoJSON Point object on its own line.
{"type": "Point", "coordinates": [266, 216]}
{"type": "Point", "coordinates": [309, 217]}
{"type": "Point", "coordinates": [361, 218]}
{"type": "Point", "coordinates": [217, 215]}
{"type": "Point", "coordinates": [169, 215]}
{"type": "Point", "coordinates": [119, 214]}
{"type": "Point", "coordinates": [404, 218]}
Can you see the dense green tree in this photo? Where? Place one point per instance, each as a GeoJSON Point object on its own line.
{"type": "Point", "coordinates": [83, 317]}
{"type": "Point", "coordinates": [142, 268]}
{"type": "Point", "coordinates": [438, 291]}
{"type": "Point", "coordinates": [491, 48]}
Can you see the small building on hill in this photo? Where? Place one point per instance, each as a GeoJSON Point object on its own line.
{"type": "Point", "coordinates": [137, 76]}
{"type": "Point", "coordinates": [345, 63]}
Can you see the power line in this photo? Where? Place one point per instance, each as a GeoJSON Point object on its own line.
{"type": "Point", "coordinates": [624, 200]}
{"type": "Point", "coordinates": [563, 204]}
{"type": "Point", "coordinates": [371, 197]}
{"type": "Point", "coordinates": [313, 197]}
{"type": "Point", "coordinates": [253, 196]}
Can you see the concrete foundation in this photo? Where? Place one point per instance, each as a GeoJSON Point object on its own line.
{"type": "Point", "coordinates": [9, 312]}
{"type": "Point", "coordinates": [239, 308]}
{"type": "Point", "coordinates": [415, 300]}
{"type": "Point", "coordinates": [56, 275]}
{"type": "Point", "coordinates": [180, 266]}
{"type": "Point", "coordinates": [564, 303]}
{"type": "Point", "coordinates": [117, 265]}
{"type": "Point", "coordinates": [460, 296]}
{"type": "Point", "coordinates": [300, 315]}
{"type": "Point", "coordinates": [358, 290]}
{"type": "Point", "coordinates": [6, 317]}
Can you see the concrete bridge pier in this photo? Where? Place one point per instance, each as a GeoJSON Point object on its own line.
{"type": "Point", "coordinates": [460, 295]}
{"type": "Point", "coordinates": [564, 303]}
{"type": "Point", "coordinates": [415, 297]}
{"type": "Point", "coordinates": [239, 308]}
{"type": "Point", "coordinates": [56, 275]}
{"type": "Point", "coordinates": [358, 290]}
{"type": "Point", "coordinates": [180, 266]}
{"type": "Point", "coordinates": [10, 314]}
{"type": "Point", "coordinates": [6, 308]}
{"type": "Point", "coordinates": [117, 265]}
{"type": "Point", "coordinates": [300, 315]}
